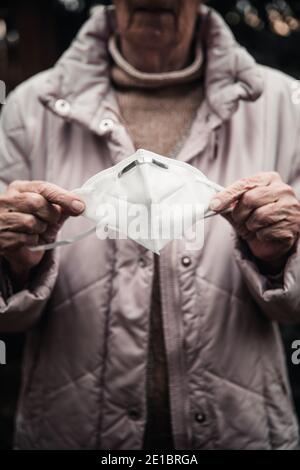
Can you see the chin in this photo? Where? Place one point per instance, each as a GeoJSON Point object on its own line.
{"type": "Point", "coordinates": [151, 38]}
{"type": "Point", "coordinates": [146, 28]}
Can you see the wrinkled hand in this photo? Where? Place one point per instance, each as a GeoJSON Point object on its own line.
{"type": "Point", "coordinates": [265, 212]}
{"type": "Point", "coordinates": [32, 212]}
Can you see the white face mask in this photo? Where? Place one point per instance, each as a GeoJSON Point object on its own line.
{"type": "Point", "coordinates": [146, 197]}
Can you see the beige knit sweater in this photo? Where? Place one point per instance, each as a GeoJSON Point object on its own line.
{"type": "Point", "coordinates": [157, 109]}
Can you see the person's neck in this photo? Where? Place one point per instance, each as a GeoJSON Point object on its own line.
{"type": "Point", "coordinates": [154, 60]}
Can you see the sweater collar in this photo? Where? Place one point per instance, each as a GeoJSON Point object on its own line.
{"type": "Point", "coordinates": [81, 77]}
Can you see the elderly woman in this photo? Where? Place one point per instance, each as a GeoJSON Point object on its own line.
{"type": "Point", "coordinates": [126, 350]}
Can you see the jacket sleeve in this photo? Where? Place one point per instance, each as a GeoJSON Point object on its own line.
{"type": "Point", "coordinates": [277, 296]}
{"type": "Point", "coordinates": [19, 310]}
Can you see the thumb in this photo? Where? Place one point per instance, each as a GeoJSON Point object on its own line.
{"type": "Point", "coordinates": [50, 235]}
{"type": "Point", "coordinates": [230, 195]}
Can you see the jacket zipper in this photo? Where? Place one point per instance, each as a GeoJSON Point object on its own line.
{"type": "Point", "coordinates": [216, 142]}
{"type": "Point", "coordinates": [173, 343]}
{"type": "Point", "coordinates": [147, 379]}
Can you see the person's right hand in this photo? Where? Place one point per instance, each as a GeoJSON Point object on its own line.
{"type": "Point", "coordinates": [32, 212]}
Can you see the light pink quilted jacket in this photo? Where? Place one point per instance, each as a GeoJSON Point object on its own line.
{"type": "Point", "coordinates": [87, 308]}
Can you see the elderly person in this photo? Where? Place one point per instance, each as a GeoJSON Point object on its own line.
{"type": "Point", "coordinates": [126, 350]}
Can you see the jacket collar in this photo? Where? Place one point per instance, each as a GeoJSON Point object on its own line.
{"type": "Point", "coordinates": [78, 87]}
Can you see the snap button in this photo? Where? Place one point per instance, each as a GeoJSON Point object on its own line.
{"type": "Point", "coordinates": [133, 414]}
{"type": "Point", "coordinates": [186, 261]}
{"type": "Point", "coordinates": [106, 126]}
{"type": "Point", "coordinates": [62, 107]}
{"type": "Point", "coordinates": [200, 417]}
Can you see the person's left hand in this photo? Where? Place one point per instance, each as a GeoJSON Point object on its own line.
{"type": "Point", "coordinates": [266, 213]}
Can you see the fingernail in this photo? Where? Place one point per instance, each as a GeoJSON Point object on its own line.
{"type": "Point", "coordinates": [78, 206]}
{"type": "Point", "coordinates": [215, 204]}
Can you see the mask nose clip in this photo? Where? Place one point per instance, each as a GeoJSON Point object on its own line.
{"type": "Point", "coordinates": [142, 161]}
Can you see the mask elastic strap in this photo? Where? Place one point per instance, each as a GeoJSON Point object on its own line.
{"type": "Point", "coordinates": [67, 241]}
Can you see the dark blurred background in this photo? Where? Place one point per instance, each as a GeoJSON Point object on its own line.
{"type": "Point", "coordinates": [34, 33]}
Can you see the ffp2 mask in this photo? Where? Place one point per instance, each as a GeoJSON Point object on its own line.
{"type": "Point", "coordinates": [154, 185]}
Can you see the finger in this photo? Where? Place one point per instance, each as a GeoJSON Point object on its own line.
{"type": "Point", "coordinates": [52, 230]}
{"type": "Point", "coordinates": [265, 216]}
{"type": "Point", "coordinates": [252, 200]}
{"type": "Point", "coordinates": [280, 232]}
{"type": "Point", "coordinates": [240, 229]}
{"type": "Point", "coordinates": [10, 241]}
{"type": "Point", "coordinates": [31, 203]}
{"type": "Point", "coordinates": [224, 199]}
{"type": "Point", "coordinates": [62, 219]}
{"type": "Point", "coordinates": [70, 202]}
{"type": "Point", "coordinates": [49, 236]}
{"type": "Point", "coordinates": [244, 233]}
{"type": "Point", "coordinates": [18, 222]}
